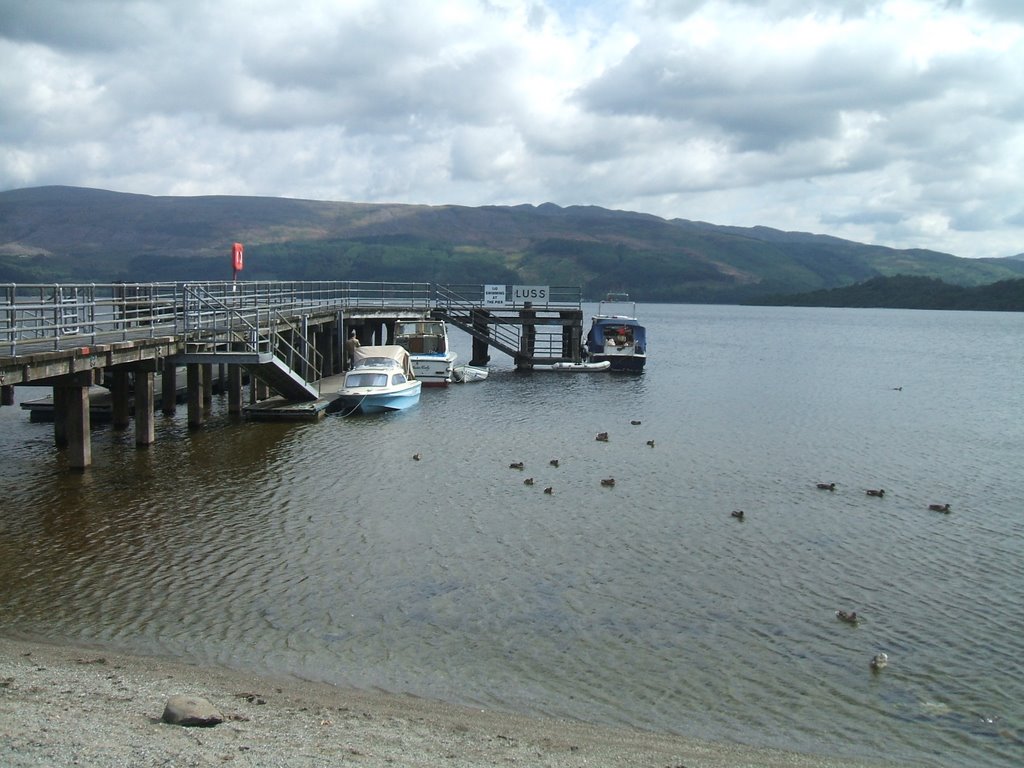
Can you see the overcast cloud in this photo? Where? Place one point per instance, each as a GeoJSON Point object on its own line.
{"type": "Point", "coordinates": [898, 122]}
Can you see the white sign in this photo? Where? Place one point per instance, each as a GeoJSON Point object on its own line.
{"type": "Point", "coordinates": [538, 294]}
{"type": "Point", "coordinates": [494, 295]}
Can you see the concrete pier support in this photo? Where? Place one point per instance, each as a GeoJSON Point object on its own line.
{"type": "Point", "coordinates": [234, 386]}
{"type": "Point", "coordinates": [6, 395]}
{"type": "Point", "coordinates": [196, 412]}
{"type": "Point", "coordinates": [480, 319]}
{"type": "Point", "coordinates": [207, 389]}
{"type": "Point", "coordinates": [145, 418]}
{"type": "Point", "coordinates": [60, 417]}
{"type": "Point", "coordinates": [76, 400]}
{"type": "Point", "coordinates": [169, 388]}
{"type": "Point", "coordinates": [119, 398]}
{"type": "Point", "coordinates": [572, 335]}
{"type": "Point", "coordinates": [528, 340]}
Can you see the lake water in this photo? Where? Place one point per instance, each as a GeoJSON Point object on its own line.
{"type": "Point", "coordinates": [325, 551]}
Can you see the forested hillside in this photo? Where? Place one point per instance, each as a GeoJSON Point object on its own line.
{"type": "Point", "coordinates": [50, 234]}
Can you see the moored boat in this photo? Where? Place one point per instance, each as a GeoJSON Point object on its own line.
{"type": "Point", "coordinates": [465, 374]}
{"type": "Point", "coordinates": [582, 367]}
{"type": "Point", "coordinates": [617, 337]}
{"type": "Point", "coordinates": [381, 379]}
{"type": "Point", "coordinates": [431, 355]}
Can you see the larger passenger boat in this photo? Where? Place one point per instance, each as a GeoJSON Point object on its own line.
{"type": "Point", "coordinates": [431, 355]}
{"type": "Point", "coordinates": [616, 336]}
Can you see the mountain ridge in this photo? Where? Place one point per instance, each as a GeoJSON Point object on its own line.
{"type": "Point", "coordinates": [61, 233]}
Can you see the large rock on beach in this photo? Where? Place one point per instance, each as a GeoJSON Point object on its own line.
{"type": "Point", "coordinates": [193, 711]}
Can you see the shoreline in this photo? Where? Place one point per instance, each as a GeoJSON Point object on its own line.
{"type": "Point", "coordinates": [64, 705]}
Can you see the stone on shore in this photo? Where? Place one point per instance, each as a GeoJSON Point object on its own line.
{"type": "Point", "coordinates": [193, 711]}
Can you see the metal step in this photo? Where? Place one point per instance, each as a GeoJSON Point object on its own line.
{"type": "Point", "coordinates": [276, 373]}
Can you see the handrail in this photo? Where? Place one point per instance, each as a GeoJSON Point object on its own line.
{"type": "Point", "coordinates": [212, 320]}
{"type": "Point", "coordinates": [55, 316]}
{"type": "Point", "coordinates": [38, 317]}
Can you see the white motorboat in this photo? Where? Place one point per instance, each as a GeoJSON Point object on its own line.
{"type": "Point", "coordinates": [431, 354]}
{"type": "Point", "coordinates": [381, 379]}
{"type": "Point", "coordinates": [464, 374]}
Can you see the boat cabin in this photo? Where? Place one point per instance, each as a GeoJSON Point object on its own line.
{"type": "Point", "coordinates": [422, 337]}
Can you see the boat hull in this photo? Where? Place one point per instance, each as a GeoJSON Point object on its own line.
{"type": "Point", "coordinates": [622, 363]}
{"type": "Point", "coordinates": [594, 366]}
{"type": "Point", "coordinates": [433, 370]}
{"type": "Point", "coordinates": [465, 374]}
{"type": "Point", "coordinates": [359, 401]}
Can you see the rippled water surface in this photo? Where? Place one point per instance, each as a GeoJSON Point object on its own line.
{"type": "Point", "coordinates": [323, 550]}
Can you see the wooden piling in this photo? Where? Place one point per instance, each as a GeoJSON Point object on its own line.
{"type": "Point", "coordinates": [145, 418]}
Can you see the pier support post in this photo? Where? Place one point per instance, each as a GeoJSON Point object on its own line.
{"type": "Point", "coordinates": [145, 418]}
{"type": "Point", "coordinates": [169, 388]}
{"type": "Point", "coordinates": [572, 335]}
{"type": "Point", "coordinates": [76, 401]}
{"type": "Point", "coordinates": [207, 388]}
{"type": "Point", "coordinates": [7, 394]}
{"type": "Point", "coordinates": [234, 389]}
{"type": "Point", "coordinates": [196, 412]}
{"type": "Point", "coordinates": [119, 413]}
{"type": "Point", "coordinates": [325, 346]}
{"type": "Point", "coordinates": [60, 417]}
{"type": "Point", "coordinates": [528, 317]}
{"type": "Point", "coordinates": [481, 357]}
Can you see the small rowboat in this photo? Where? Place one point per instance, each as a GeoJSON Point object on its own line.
{"type": "Point", "coordinates": [565, 367]}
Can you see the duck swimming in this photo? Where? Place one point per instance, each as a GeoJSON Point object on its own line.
{"type": "Point", "coordinates": [602, 437]}
{"type": "Point", "coordinates": [553, 462]}
{"type": "Point", "coordinates": [850, 617]}
{"type": "Point", "coordinates": [738, 514]}
{"type": "Point", "coordinates": [608, 482]}
{"type": "Point", "coordinates": [549, 490]}
{"type": "Point", "coordinates": [650, 443]}
{"type": "Point", "coordinates": [939, 508]}
{"type": "Point", "coordinates": [416, 457]}
{"type": "Point", "coordinates": [878, 661]}
{"type": "Point", "coordinates": [872, 492]}
{"type": "Point", "coordinates": [528, 481]}
{"type": "Point", "coordinates": [827, 486]}
{"type": "Point", "coordinates": [516, 465]}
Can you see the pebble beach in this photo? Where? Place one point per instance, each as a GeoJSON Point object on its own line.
{"type": "Point", "coordinates": [62, 705]}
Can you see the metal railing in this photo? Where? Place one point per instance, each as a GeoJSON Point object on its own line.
{"type": "Point", "coordinates": [224, 323]}
{"type": "Point", "coordinates": [506, 332]}
{"type": "Point", "coordinates": [51, 317]}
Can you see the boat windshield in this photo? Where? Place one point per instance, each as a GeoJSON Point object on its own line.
{"type": "Point", "coordinates": [366, 380]}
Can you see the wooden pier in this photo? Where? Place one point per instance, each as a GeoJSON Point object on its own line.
{"type": "Point", "coordinates": [121, 351]}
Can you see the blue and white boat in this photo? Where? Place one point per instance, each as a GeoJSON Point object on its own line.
{"type": "Point", "coordinates": [616, 336]}
{"type": "Point", "coordinates": [381, 380]}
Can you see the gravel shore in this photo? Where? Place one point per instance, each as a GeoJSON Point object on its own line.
{"type": "Point", "coordinates": [73, 706]}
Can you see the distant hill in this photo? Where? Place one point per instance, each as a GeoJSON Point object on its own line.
{"type": "Point", "coordinates": [52, 234]}
{"type": "Point", "coordinates": [903, 292]}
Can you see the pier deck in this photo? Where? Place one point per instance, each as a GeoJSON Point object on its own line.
{"type": "Point", "coordinates": [286, 337]}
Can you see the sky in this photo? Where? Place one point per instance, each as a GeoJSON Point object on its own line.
{"type": "Point", "coordinates": [895, 122]}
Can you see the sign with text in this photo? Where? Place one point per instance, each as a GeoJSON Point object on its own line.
{"type": "Point", "coordinates": [538, 294]}
{"type": "Point", "coordinates": [494, 295]}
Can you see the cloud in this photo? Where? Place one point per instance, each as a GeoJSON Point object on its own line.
{"type": "Point", "coordinates": [889, 121]}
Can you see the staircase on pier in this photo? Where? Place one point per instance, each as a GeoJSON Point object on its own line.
{"type": "Point", "coordinates": [274, 349]}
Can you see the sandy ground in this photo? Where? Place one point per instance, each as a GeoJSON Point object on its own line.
{"type": "Point", "coordinates": [68, 706]}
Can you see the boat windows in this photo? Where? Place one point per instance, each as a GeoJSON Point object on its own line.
{"type": "Point", "coordinates": [366, 380]}
{"type": "Point", "coordinates": [398, 378]}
